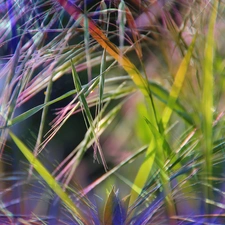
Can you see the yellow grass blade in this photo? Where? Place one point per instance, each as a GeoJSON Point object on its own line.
{"type": "Point", "coordinates": [53, 184]}
{"type": "Point", "coordinates": [177, 85]}
{"type": "Point", "coordinates": [143, 172]}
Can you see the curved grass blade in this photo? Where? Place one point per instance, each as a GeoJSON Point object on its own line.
{"type": "Point", "coordinates": [50, 180]}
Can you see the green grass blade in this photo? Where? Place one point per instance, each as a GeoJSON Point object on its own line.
{"type": "Point", "coordinates": [155, 156]}
{"type": "Point", "coordinates": [143, 172]}
{"type": "Point", "coordinates": [177, 85]}
{"type": "Point", "coordinates": [87, 111]}
{"type": "Point", "coordinates": [89, 139]}
{"type": "Point", "coordinates": [102, 78]}
{"type": "Point", "coordinates": [49, 179]}
{"type": "Point", "coordinates": [87, 52]}
{"type": "Point", "coordinates": [22, 117]}
{"type": "Point", "coordinates": [163, 95]}
{"type": "Point", "coordinates": [208, 91]}
{"type": "Point", "coordinates": [122, 22]}
{"type": "Point", "coordinates": [114, 170]}
{"type": "Point", "coordinates": [104, 17]}
{"type": "Point", "coordinates": [43, 121]}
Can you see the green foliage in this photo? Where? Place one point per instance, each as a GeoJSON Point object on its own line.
{"type": "Point", "coordinates": [151, 96]}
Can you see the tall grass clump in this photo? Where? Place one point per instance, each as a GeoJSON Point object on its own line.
{"type": "Point", "coordinates": [112, 112]}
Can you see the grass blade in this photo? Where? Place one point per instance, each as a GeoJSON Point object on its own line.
{"type": "Point", "coordinates": [208, 90]}
{"type": "Point", "coordinates": [114, 170]}
{"type": "Point", "coordinates": [177, 85]}
{"type": "Point", "coordinates": [87, 111]}
{"type": "Point", "coordinates": [163, 95]}
{"type": "Point", "coordinates": [100, 37]}
{"type": "Point", "coordinates": [143, 172]}
{"type": "Point", "coordinates": [53, 184]}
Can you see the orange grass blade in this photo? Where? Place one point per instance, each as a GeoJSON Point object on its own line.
{"type": "Point", "coordinates": [113, 50]}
